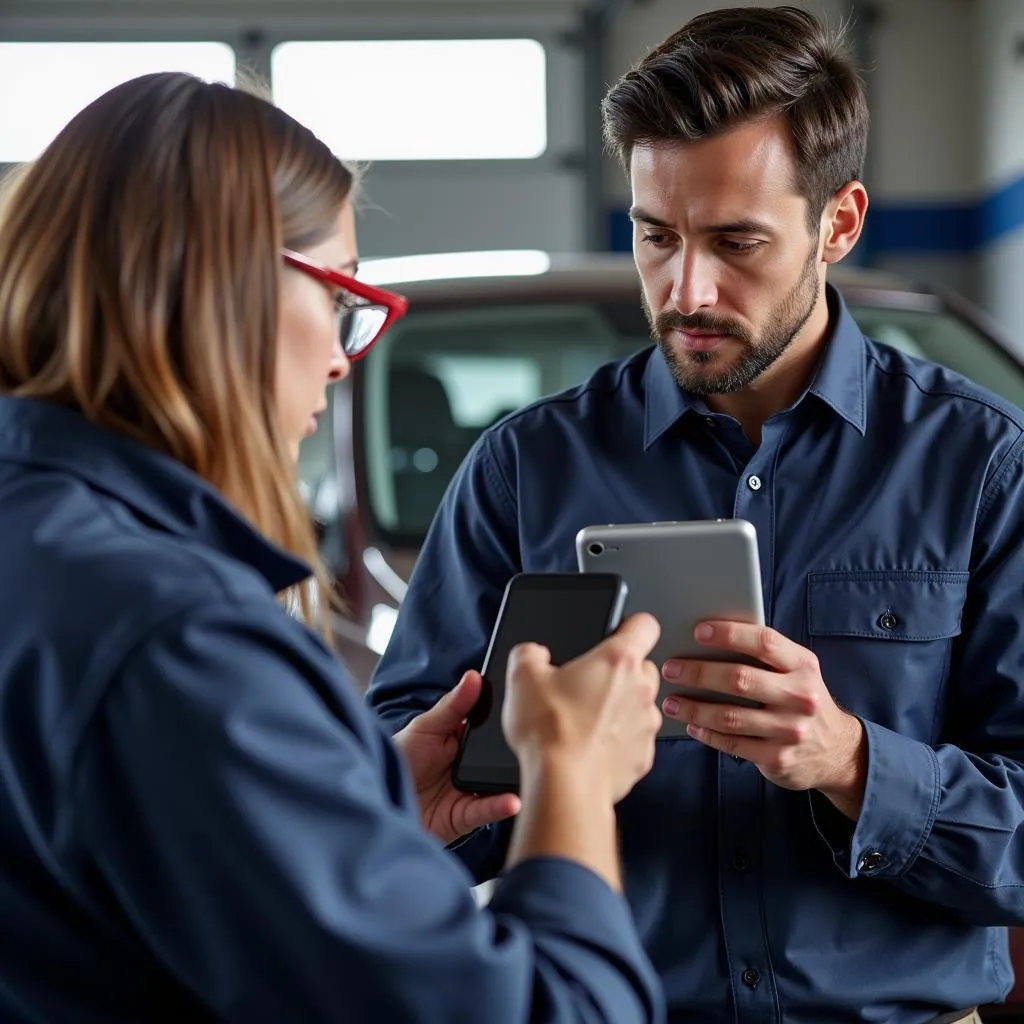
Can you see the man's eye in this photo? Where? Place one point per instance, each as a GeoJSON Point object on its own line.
{"type": "Point", "coordinates": [734, 246]}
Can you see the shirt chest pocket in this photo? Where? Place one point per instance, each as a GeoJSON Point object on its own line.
{"type": "Point", "coordinates": [884, 642]}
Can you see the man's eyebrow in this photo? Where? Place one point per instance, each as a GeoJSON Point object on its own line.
{"type": "Point", "coordinates": [740, 227]}
{"type": "Point", "coordinates": [733, 227]}
{"type": "Point", "coordinates": [637, 213]}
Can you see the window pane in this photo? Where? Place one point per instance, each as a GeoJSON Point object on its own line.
{"type": "Point", "coordinates": [441, 377]}
{"type": "Point", "coordinates": [437, 380]}
{"type": "Point", "coordinates": [942, 339]}
{"type": "Point", "coordinates": [322, 490]}
{"type": "Point", "coordinates": [417, 100]}
{"type": "Point", "coordinates": [53, 81]}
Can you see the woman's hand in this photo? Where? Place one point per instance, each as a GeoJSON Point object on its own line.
{"type": "Point", "coordinates": [429, 744]}
{"type": "Point", "coordinates": [596, 712]}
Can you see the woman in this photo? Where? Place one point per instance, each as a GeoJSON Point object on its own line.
{"type": "Point", "coordinates": [198, 818]}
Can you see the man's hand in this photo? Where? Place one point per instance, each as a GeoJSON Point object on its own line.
{"type": "Point", "coordinates": [429, 744]}
{"type": "Point", "coordinates": [801, 739]}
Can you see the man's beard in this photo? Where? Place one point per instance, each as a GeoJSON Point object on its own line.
{"type": "Point", "coordinates": [694, 372]}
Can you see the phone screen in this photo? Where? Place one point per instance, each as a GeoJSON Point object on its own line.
{"type": "Point", "coordinates": [569, 613]}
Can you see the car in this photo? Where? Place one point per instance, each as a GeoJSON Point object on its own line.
{"type": "Point", "coordinates": [487, 333]}
{"type": "Point", "coordinates": [486, 336]}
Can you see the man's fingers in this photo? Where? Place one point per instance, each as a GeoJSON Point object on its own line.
{"type": "Point", "coordinates": [730, 678]}
{"type": "Point", "coordinates": [747, 748]}
{"type": "Point", "coordinates": [764, 644]}
{"type": "Point", "coordinates": [730, 720]}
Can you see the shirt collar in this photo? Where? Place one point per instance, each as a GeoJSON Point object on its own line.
{"type": "Point", "coordinates": [838, 381]}
{"type": "Point", "coordinates": [157, 487]}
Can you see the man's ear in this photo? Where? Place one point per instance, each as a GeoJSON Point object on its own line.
{"type": "Point", "coordinates": [842, 221]}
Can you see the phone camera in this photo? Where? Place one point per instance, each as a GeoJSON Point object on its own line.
{"type": "Point", "coordinates": [596, 548]}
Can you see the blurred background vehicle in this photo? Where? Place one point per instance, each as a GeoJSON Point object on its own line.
{"type": "Point", "coordinates": [474, 348]}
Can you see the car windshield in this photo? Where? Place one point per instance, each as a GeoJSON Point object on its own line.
{"type": "Point", "coordinates": [440, 378]}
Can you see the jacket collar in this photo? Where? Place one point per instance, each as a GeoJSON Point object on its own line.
{"type": "Point", "coordinates": [158, 488]}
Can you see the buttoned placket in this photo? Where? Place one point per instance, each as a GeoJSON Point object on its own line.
{"type": "Point", "coordinates": [740, 784]}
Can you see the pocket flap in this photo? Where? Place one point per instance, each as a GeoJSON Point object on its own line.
{"type": "Point", "coordinates": [898, 605]}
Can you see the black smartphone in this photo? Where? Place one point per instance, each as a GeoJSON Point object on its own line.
{"type": "Point", "coordinates": [568, 613]}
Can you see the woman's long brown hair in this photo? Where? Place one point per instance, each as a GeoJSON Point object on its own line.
{"type": "Point", "coordinates": [139, 274]}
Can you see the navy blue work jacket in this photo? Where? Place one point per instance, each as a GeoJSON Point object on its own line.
{"type": "Point", "coordinates": [199, 820]}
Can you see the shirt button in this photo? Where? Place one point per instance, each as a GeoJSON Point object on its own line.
{"type": "Point", "coordinates": [741, 863]}
{"type": "Point", "coordinates": [709, 420]}
{"type": "Point", "coordinates": [887, 621]}
{"type": "Point", "coordinates": [871, 861]}
{"type": "Point", "coordinates": [754, 482]}
{"type": "Point", "coordinates": [751, 976]}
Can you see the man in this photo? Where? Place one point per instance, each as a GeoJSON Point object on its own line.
{"type": "Point", "coordinates": [854, 850]}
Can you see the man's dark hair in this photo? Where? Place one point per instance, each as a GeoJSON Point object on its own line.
{"type": "Point", "coordinates": [739, 65]}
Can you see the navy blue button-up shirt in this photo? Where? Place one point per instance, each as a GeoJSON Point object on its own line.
{"type": "Point", "coordinates": [889, 507]}
{"type": "Point", "coordinates": [199, 820]}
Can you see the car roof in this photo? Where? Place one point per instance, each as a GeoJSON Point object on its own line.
{"type": "Point", "coordinates": [525, 272]}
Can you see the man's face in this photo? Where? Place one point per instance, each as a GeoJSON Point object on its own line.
{"type": "Point", "coordinates": [730, 271]}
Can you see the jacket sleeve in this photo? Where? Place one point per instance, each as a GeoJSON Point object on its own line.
{"type": "Point", "coordinates": [256, 829]}
{"type": "Point", "coordinates": [945, 823]}
{"type": "Point", "coordinates": [470, 553]}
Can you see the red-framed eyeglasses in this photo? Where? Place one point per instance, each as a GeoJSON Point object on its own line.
{"type": "Point", "coordinates": [364, 312]}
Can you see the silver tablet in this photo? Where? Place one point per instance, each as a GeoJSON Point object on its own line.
{"type": "Point", "coordinates": [681, 573]}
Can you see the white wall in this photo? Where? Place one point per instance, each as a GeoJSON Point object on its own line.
{"type": "Point", "coordinates": [925, 132]}
{"type": "Point", "coordinates": [926, 137]}
{"type": "Point", "coordinates": [1000, 26]}
{"type": "Point", "coordinates": [1001, 30]}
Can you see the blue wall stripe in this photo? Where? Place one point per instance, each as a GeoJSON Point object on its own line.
{"type": "Point", "coordinates": [941, 227]}
{"type": "Point", "coordinates": [1001, 212]}
{"type": "Point", "coordinates": [922, 227]}
{"type": "Point", "coordinates": [620, 231]}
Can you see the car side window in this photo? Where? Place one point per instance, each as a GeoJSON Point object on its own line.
{"type": "Point", "coordinates": [321, 489]}
{"type": "Point", "coordinates": [941, 338]}
{"type": "Point", "coordinates": [439, 379]}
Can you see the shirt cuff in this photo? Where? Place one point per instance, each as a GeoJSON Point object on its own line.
{"type": "Point", "coordinates": [901, 799]}
{"type": "Point", "coordinates": [563, 896]}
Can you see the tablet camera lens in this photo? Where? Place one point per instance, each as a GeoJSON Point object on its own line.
{"type": "Point", "coordinates": [596, 548]}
